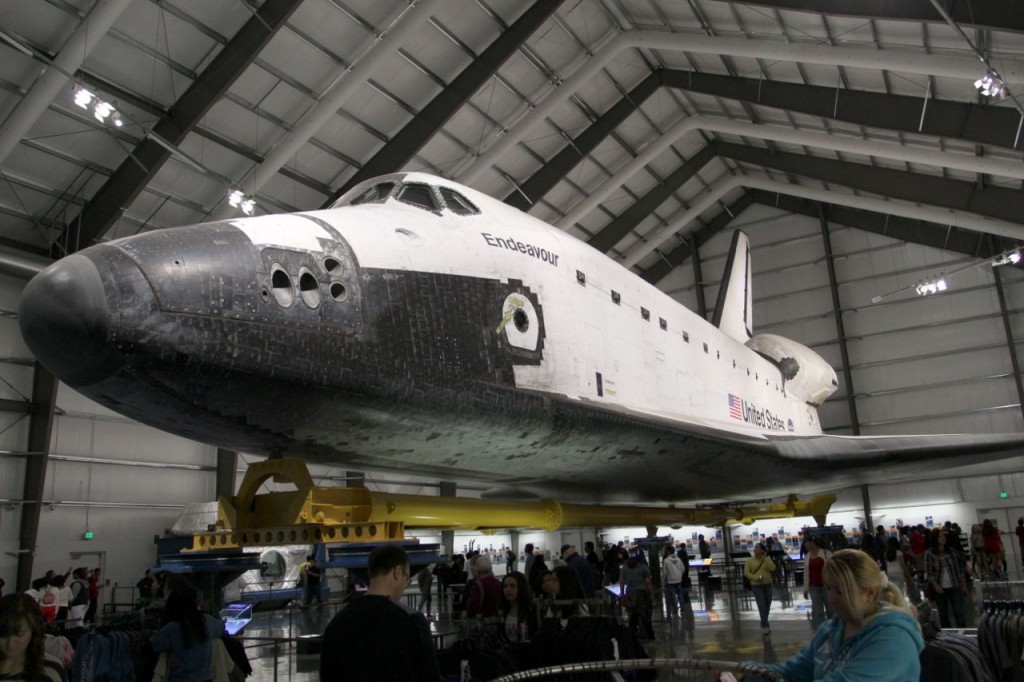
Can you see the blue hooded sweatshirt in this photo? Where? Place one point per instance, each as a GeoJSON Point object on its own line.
{"type": "Point", "coordinates": [886, 648]}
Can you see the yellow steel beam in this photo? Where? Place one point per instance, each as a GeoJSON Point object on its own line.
{"type": "Point", "coordinates": [418, 511]}
{"type": "Point", "coordinates": [333, 508]}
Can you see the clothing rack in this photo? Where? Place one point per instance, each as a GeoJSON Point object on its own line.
{"type": "Point", "coordinates": [1001, 630]}
{"type": "Point", "coordinates": [1002, 590]}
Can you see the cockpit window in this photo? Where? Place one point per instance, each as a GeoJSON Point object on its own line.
{"type": "Point", "coordinates": [418, 195]}
{"type": "Point", "coordinates": [374, 195]}
{"type": "Point", "coordinates": [458, 204]}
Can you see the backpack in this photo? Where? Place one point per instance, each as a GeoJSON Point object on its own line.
{"type": "Point", "coordinates": [79, 593]}
{"type": "Point", "coordinates": [49, 598]}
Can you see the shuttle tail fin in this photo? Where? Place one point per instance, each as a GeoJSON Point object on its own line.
{"type": "Point", "coordinates": [734, 308]}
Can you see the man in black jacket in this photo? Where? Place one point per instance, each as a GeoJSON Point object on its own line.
{"type": "Point", "coordinates": [374, 639]}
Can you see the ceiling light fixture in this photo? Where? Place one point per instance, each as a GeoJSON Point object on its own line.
{"type": "Point", "coordinates": [939, 284]}
{"type": "Point", "coordinates": [992, 77]}
{"type": "Point", "coordinates": [931, 287]}
{"type": "Point", "coordinates": [102, 110]}
{"type": "Point", "coordinates": [83, 97]}
{"type": "Point", "coordinates": [991, 85]}
{"type": "Point", "coordinates": [1007, 258]}
{"type": "Point", "coordinates": [238, 199]}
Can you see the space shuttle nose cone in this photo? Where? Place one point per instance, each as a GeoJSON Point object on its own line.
{"type": "Point", "coordinates": [65, 321]}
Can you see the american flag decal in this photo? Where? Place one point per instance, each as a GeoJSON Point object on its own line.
{"type": "Point", "coordinates": [735, 407]}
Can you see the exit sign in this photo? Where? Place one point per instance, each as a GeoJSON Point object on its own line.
{"type": "Point", "coordinates": [1002, 495]}
{"type": "Point", "coordinates": [87, 535]}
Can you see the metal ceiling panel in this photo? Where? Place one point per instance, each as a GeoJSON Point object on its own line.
{"type": "Point", "coordinates": [300, 61]}
{"type": "Point", "coordinates": [325, 22]}
{"type": "Point", "coordinates": [253, 85]}
{"type": "Point", "coordinates": [46, 25]}
{"type": "Point", "coordinates": [221, 18]}
{"type": "Point", "coordinates": [70, 132]}
{"type": "Point", "coordinates": [279, 110]}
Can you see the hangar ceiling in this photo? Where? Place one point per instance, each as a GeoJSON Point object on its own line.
{"type": "Point", "coordinates": [848, 138]}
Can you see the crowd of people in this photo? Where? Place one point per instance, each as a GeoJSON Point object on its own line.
{"type": "Point", "coordinates": [940, 563]}
{"type": "Point", "coordinates": [375, 639]}
{"type": "Point", "coordinates": [184, 648]}
{"type": "Point", "coordinates": [862, 603]}
{"type": "Point", "coordinates": [67, 600]}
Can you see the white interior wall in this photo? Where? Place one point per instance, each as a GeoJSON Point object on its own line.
{"type": "Point", "coordinates": [936, 364]}
{"type": "Point", "coordinates": [124, 504]}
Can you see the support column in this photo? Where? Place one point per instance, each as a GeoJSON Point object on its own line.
{"type": "Point", "coordinates": [727, 541]}
{"type": "Point", "coordinates": [866, 497]}
{"type": "Point", "coordinates": [837, 311]}
{"type": "Point", "coordinates": [44, 399]}
{"type": "Point", "coordinates": [698, 278]}
{"type": "Point", "coordinates": [1011, 345]}
{"type": "Point", "coordinates": [448, 536]}
{"type": "Point", "coordinates": [513, 543]}
{"type": "Point", "coordinates": [227, 465]}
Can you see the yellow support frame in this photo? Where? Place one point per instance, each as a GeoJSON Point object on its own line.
{"type": "Point", "coordinates": [320, 514]}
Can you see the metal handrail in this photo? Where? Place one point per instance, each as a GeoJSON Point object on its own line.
{"type": "Point", "coordinates": [694, 664]}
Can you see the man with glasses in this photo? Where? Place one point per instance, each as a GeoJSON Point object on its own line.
{"type": "Point", "coordinates": [374, 638]}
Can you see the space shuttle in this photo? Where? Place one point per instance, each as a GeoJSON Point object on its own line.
{"type": "Point", "coordinates": [420, 326]}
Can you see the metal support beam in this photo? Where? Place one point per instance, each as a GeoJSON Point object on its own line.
{"type": "Point", "coordinates": [837, 312]}
{"type": "Point", "coordinates": [865, 496]}
{"type": "Point", "coordinates": [698, 275]}
{"type": "Point", "coordinates": [146, 159]}
{"type": "Point", "coordinates": [448, 489]}
{"type": "Point", "coordinates": [969, 121]}
{"type": "Point", "coordinates": [696, 239]}
{"type": "Point", "coordinates": [621, 225]}
{"type": "Point", "coordinates": [1002, 14]}
{"type": "Point", "coordinates": [926, 65]}
{"type": "Point", "coordinates": [401, 148]}
{"type": "Point", "coordinates": [1011, 344]}
{"type": "Point", "coordinates": [227, 464]}
{"type": "Point", "coordinates": [947, 237]}
{"type": "Point", "coordinates": [21, 406]}
{"type": "Point", "coordinates": [346, 83]}
{"type": "Point", "coordinates": [907, 230]}
{"type": "Point", "coordinates": [541, 182]}
{"type": "Point", "coordinates": [973, 122]}
{"type": "Point", "coordinates": [929, 190]}
{"type": "Point", "coordinates": [44, 400]}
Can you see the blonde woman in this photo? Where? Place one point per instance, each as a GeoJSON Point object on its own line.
{"type": "Point", "coordinates": [873, 636]}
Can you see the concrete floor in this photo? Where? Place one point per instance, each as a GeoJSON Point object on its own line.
{"type": "Point", "coordinates": [717, 625]}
